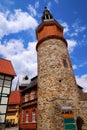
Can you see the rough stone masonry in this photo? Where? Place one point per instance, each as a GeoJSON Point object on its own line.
{"type": "Point", "coordinates": [58, 96]}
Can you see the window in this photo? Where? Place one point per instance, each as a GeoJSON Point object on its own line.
{"type": "Point", "coordinates": [27, 117]}
{"type": "Point", "coordinates": [7, 83]}
{"type": "Point", "coordinates": [2, 118]}
{"type": "Point", "coordinates": [8, 78]}
{"type": "Point", "coordinates": [26, 97]}
{"type": "Point", "coordinates": [0, 99]}
{"type": "Point", "coordinates": [65, 63]}
{"type": "Point", "coordinates": [1, 76]}
{"type": "Point", "coordinates": [33, 116]}
{"type": "Point", "coordinates": [4, 100]}
{"type": "Point", "coordinates": [1, 82]}
{"type": "Point", "coordinates": [0, 89]}
{"type": "Point", "coordinates": [6, 90]}
{"type": "Point", "coordinates": [32, 95]}
{"type": "Point", "coordinates": [22, 115]}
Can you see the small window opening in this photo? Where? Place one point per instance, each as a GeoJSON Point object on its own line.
{"type": "Point", "coordinates": [65, 63]}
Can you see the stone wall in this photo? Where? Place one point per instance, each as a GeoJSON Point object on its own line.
{"type": "Point", "coordinates": [56, 85]}
{"type": "Point", "coordinates": [83, 111]}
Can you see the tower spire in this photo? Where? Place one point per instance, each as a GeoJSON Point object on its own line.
{"type": "Point", "coordinates": [49, 28]}
{"type": "Point", "coordinates": [46, 15]}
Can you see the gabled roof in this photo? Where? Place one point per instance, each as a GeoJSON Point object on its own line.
{"type": "Point", "coordinates": [6, 67]}
{"type": "Point", "coordinates": [14, 97]}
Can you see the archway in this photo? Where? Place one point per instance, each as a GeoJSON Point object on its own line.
{"type": "Point", "coordinates": [79, 122]}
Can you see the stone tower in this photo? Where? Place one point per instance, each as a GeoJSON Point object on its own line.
{"type": "Point", "coordinates": [57, 89]}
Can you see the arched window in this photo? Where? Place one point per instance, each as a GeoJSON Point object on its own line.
{"type": "Point", "coordinates": [33, 116]}
{"type": "Point", "coordinates": [32, 95]}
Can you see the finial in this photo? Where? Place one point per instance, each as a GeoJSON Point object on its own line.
{"type": "Point", "coordinates": [26, 77]}
{"type": "Point", "coordinates": [45, 8]}
{"type": "Point", "coordinates": [46, 15]}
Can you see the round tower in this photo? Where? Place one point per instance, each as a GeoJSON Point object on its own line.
{"type": "Point", "coordinates": [57, 89]}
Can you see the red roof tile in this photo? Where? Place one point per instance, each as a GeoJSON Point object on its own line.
{"type": "Point", "coordinates": [14, 97]}
{"type": "Point", "coordinates": [6, 67]}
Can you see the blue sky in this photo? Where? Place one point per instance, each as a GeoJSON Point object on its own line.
{"type": "Point", "coordinates": [18, 22]}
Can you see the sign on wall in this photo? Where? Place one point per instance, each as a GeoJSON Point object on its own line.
{"type": "Point", "coordinates": [68, 118]}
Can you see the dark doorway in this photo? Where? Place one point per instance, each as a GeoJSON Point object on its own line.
{"type": "Point", "coordinates": [79, 122]}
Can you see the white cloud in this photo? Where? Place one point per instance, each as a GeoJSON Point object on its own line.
{"type": "Point", "coordinates": [83, 64]}
{"type": "Point", "coordinates": [77, 27]}
{"type": "Point", "coordinates": [66, 27]}
{"type": "Point", "coordinates": [82, 81]}
{"type": "Point", "coordinates": [14, 23]}
{"type": "Point", "coordinates": [21, 58]}
{"type": "Point", "coordinates": [49, 4]}
{"type": "Point", "coordinates": [12, 47]}
{"type": "Point", "coordinates": [32, 10]}
{"type": "Point", "coordinates": [57, 1]}
{"type": "Point", "coordinates": [74, 66]}
{"type": "Point", "coordinates": [71, 45]}
{"type": "Point", "coordinates": [37, 4]}
{"type": "Point", "coordinates": [7, 2]}
{"type": "Point", "coordinates": [4, 4]}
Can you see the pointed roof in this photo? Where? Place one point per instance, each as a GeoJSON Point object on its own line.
{"type": "Point", "coordinates": [47, 19]}
{"type": "Point", "coordinates": [49, 28]}
{"type": "Point", "coordinates": [25, 80]}
{"type": "Point", "coordinates": [47, 15]}
{"type": "Point", "coordinates": [6, 67]}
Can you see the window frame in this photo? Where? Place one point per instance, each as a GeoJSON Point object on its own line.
{"type": "Point", "coordinates": [33, 116]}
{"type": "Point", "coordinates": [27, 117]}
{"type": "Point", "coordinates": [32, 95]}
{"type": "Point", "coordinates": [26, 97]}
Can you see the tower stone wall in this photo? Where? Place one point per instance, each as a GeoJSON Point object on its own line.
{"type": "Point", "coordinates": [56, 84]}
{"type": "Point", "coordinates": [57, 88]}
